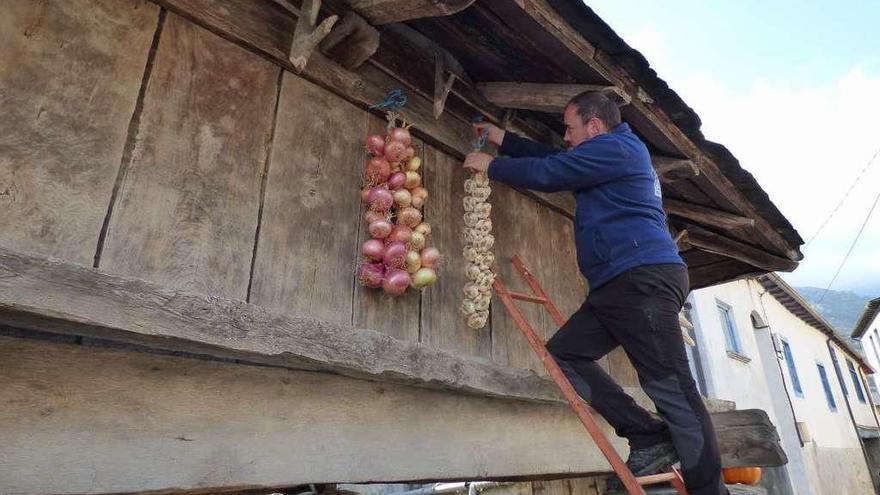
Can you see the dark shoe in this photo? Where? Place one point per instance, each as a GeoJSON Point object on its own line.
{"type": "Point", "coordinates": [642, 462]}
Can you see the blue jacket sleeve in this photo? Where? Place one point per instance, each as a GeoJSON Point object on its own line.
{"type": "Point", "coordinates": [518, 146]}
{"type": "Point", "coordinates": [594, 162]}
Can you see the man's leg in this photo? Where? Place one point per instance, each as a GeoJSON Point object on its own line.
{"type": "Point", "coordinates": [644, 319]}
{"type": "Point", "coordinates": [576, 347]}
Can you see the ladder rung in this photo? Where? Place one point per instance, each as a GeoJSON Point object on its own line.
{"type": "Point", "coordinates": [655, 478]}
{"type": "Point", "coordinates": [527, 297]}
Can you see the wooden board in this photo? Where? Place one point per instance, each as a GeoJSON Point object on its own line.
{"type": "Point", "coordinates": [398, 317]}
{"type": "Point", "coordinates": [443, 325]}
{"type": "Point", "coordinates": [69, 78]}
{"type": "Point", "coordinates": [515, 222]}
{"type": "Point", "coordinates": [551, 487]}
{"type": "Point", "coordinates": [187, 208]}
{"type": "Point", "coordinates": [307, 248]}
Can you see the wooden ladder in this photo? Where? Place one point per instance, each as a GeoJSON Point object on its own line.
{"type": "Point", "coordinates": [632, 483]}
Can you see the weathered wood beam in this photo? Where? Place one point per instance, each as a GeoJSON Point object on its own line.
{"type": "Point", "coordinates": [351, 41]}
{"type": "Point", "coordinates": [380, 12]}
{"type": "Point", "coordinates": [307, 35]}
{"type": "Point", "coordinates": [82, 413]}
{"type": "Point", "coordinates": [53, 296]}
{"type": "Point", "coordinates": [705, 215]}
{"type": "Point", "coordinates": [550, 20]}
{"type": "Point", "coordinates": [673, 169]}
{"type": "Point", "coordinates": [544, 97]}
{"type": "Point", "coordinates": [443, 81]}
{"type": "Point", "coordinates": [725, 246]}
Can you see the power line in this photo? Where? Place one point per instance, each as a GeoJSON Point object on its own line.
{"type": "Point", "coordinates": [845, 195]}
{"type": "Point", "coordinates": [853, 245]}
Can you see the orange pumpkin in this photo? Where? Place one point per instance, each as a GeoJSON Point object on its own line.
{"type": "Point", "coordinates": [744, 475]}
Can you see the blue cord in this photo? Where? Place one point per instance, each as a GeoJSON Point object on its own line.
{"type": "Point", "coordinates": [394, 100]}
{"type": "Point", "coordinates": [480, 141]}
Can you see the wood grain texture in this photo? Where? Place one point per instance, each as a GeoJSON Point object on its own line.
{"type": "Point", "coordinates": [443, 325]}
{"type": "Point", "coordinates": [69, 78]}
{"type": "Point", "coordinates": [305, 256]}
{"type": "Point", "coordinates": [187, 208]}
{"type": "Point", "coordinates": [398, 317]}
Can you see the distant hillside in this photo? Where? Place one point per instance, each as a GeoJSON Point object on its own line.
{"type": "Point", "coordinates": [840, 308]}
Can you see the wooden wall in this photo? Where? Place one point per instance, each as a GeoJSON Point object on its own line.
{"type": "Point", "coordinates": [151, 148]}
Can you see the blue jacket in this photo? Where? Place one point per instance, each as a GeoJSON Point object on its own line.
{"type": "Point", "coordinates": [619, 219]}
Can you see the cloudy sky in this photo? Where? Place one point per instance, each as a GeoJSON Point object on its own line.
{"type": "Point", "coordinates": [792, 88]}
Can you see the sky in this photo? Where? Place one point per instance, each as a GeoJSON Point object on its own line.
{"type": "Point", "coordinates": [793, 90]}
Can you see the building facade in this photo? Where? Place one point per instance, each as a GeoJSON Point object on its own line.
{"type": "Point", "coordinates": [759, 344]}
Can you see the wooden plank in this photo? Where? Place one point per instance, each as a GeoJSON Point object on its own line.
{"type": "Point", "coordinates": [725, 246]}
{"type": "Point", "coordinates": [69, 79]}
{"type": "Point", "coordinates": [398, 317]}
{"type": "Point", "coordinates": [585, 486]}
{"type": "Point", "coordinates": [58, 297]}
{"type": "Point", "coordinates": [543, 97]}
{"type": "Point", "coordinates": [706, 216]}
{"type": "Point", "coordinates": [305, 260]}
{"type": "Point", "coordinates": [514, 224]}
{"type": "Point", "coordinates": [74, 417]}
{"type": "Point", "coordinates": [551, 487]}
{"type": "Point", "coordinates": [443, 325]}
{"type": "Point", "coordinates": [187, 208]}
{"type": "Point", "coordinates": [380, 12]}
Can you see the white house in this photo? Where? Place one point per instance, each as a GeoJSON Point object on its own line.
{"type": "Point", "coordinates": [759, 344]}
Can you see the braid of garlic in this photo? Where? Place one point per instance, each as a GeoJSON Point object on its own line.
{"type": "Point", "coordinates": [477, 251]}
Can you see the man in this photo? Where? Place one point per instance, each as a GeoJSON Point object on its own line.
{"type": "Point", "coordinates": [638, 284]}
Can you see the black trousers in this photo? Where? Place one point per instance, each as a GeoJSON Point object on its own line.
{"type": "Point", "coordinates": [638, 310]}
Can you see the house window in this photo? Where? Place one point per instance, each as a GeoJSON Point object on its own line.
{"type": "Point", "coordinates": [837, 371]}
{"type": "Point", "coordinates": [729, 327]}
{"type": "Point", "coordinates": [789, 360]}
{"type": "Point", "coordinates": [857, 384]}
{"type": "Point", "coordinates": [829, 396]}
{"type": "Point", "coordinates": [874, 346]}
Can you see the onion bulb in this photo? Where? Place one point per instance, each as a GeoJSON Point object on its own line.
{"type": "Point", "coordinates": [378, 170]}
{"type": "Point", "coordinates": [423, 278]}
{"type": "Point", "coordinates": [379, 229]}
{"type": "Point", "coordinates": [413, 164]}
{"type": "Point", "coordinates": [410, 152]}
{"type": "Point", "coordinates": [380, 199]}
{"type": "Point", "coordinates": [413, 261]}
{"type": "Point", "coordinates": [395, 151]}
{"type": "Point", "coordinates": [396, 282]}
{"type": "Point", "coordinates": [423, 228]}
{"type": "Point", "coordinates": [375, 144]}
{"type": "Point", "coordinates": [413, 180]}
{"type": "Point", "coordinates": [395, 255]}
{"type": "Point", "coordinates": [371, 216]}
{"type": "Point", "coordinates": [420, 192]}
{"type": "Point", "coordinates": [365, 193]}
{"type": "Point", "coordinates": [396, 180]}
{"type": "Point", "coordinates": [371, 275]}
{"type": "Point", "coordinates": [373, 249]}
{"type": "Point", "coordinates": [430, 257]}
{"type": "Point", "coordinates": [401, 135]}
{"type": "Point", "coordinates": [402, 198]}
{"type": "Point", "coordinates": [417, 241]}
{"type": "Point", "coordinates": [400, 233]}
{"type": "Point", "coordinates": [409, 216]}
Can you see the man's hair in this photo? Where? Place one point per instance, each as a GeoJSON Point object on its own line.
{"type": "Point", "coordinates": [591, 104]}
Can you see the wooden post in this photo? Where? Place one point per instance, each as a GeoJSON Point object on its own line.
{"type": "Point", "coordinates": [306, 36]}
{"type": "Point", "coordinates": [442, 84]}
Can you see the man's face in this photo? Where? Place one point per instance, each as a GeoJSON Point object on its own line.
{"type": "Point", "coordinates": [577, 131]}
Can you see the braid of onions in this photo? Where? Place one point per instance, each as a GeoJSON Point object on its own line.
{"type": "Point", "coordinates": [477, 251]}
{"type": "Point", "coordinates": [396, 256]}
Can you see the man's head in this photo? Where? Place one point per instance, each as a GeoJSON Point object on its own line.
{"type": "Point", "coordinates": [588, 115]}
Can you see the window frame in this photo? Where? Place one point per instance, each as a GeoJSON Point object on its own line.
{"type": "Point", "coordinates": [854, 376]}
{"type": "Point", "coordinates": [826, 386]}
{"type": "Point", "coordinates": [732, 341]}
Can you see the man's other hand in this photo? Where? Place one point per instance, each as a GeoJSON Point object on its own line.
{"type": "Point", "coordinates": [496, 134]}
{"type": "Point", "coordinates": [477, 161]}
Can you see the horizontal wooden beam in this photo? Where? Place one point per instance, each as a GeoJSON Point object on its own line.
{"type": "Point", "coordinates": [380, 12]}
{"type": "Point", "coordinates": [673, 169]}
{"type": "Point", "coordinates": [64, 298]}
{"type": "Point", "coordinates": [544, 97]}
{"type": "Point", "coordinates": [705, 215]}
{"type": "Point", "coordinates": [725, 246]}
{"type": "Point", "coordinates": [76, 416]}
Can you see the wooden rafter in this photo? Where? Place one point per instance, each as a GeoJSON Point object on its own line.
{"type": "Point", "coordinates": [731, 248]}
{"type": "Point", "coordinates": [380, 12]}
{"type": "Point", "coordinates": [351, 41]}
{"type": "Point", "coordinates": [307, 35]}
{"type": "Point", "coordinates": [544, 97]}
{"type": "Point", "coordinates": [672, 169]}
{"type": "Point", "coordinates": [705, 215]}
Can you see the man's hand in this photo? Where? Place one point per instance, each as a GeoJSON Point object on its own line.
{"type": "Point", "coordinates": [477, 161]}
{"type": "Point", "coordinates": [496, 134]}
